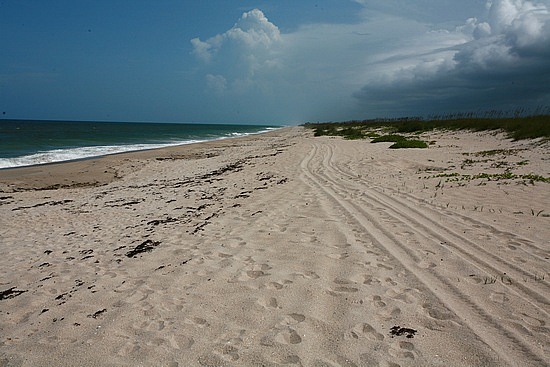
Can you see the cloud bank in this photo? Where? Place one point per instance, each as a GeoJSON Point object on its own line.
{"type": "Point", "coordinates": [500, 63]}
{"type": "Point", "coordinates": [388, 64]}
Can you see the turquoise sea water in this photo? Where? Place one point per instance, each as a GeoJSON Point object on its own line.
{"type": "Point", "coordinates": [24, 142]}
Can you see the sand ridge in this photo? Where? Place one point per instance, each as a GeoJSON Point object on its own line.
{"type": "Point", "coordinates": [280, 250]}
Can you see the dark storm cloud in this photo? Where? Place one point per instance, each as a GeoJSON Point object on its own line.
{"type": "Point", "coordinates": [505, 64]}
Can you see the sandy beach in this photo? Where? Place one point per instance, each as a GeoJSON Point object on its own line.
{"type": "Point", "coordinates": [281, 249]}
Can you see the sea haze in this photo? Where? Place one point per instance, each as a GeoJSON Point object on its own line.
{"type": "Point", "coordinates": [24, 142]}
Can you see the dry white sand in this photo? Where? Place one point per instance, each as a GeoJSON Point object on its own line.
{"type": "Point", "coordinates": [280, 250]}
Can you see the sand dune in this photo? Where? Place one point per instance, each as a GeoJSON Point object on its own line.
{"type": "Point", "coordinates": [280, 250]}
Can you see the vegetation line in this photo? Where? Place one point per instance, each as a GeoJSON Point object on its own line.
{"type": "Point", "coordinates": [517, 128]}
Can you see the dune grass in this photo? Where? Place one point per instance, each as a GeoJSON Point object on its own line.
{"type": "Point", "coordinates": [531, 177]}
{"type": "Point", "coordinates": [517, 128]}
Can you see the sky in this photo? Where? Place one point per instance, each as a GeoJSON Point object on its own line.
{"type": "Point", "coordinates": [278, 62]}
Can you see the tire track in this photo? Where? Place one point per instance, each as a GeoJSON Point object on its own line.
{"type": "Point", "coordinates": [497, 232]}
{"type": "Point", "coordinates": [436, 210]}
{"type": "Point", "coordinates": [501, 338]}
{"type": "Point", "coordinates": [429, 228]}
{"type": "Point", "coordinates": [468, 220]}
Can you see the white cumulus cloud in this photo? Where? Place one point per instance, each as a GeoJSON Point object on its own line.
{"type": "Point", "coordinates": [246, 47]}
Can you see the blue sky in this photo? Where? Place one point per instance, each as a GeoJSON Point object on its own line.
{"type": "Point", "coordinates": [280, 62]}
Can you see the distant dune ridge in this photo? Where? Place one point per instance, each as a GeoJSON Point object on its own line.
{"type": "Point", "coordinates": [281, 249]}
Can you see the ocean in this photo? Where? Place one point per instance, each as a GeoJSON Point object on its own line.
{"type": "Point", "coordinates": [24, 142]}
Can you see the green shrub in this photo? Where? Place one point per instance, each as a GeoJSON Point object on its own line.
{"type": "Point", "coordinates": [409, 144]}
{"type": "Point", "coordinates": [389, 139]}
{"type": "Point", "coordinates": [351, 133]}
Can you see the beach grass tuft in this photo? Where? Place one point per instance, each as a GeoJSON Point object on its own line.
{"type": "Point", "coordinates": [507, 175]}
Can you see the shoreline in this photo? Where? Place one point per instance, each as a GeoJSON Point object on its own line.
{"type": "Point", "coordinates": [97, 170]}
{"type": "Point", "coordinates": [133, 150]}
{"type": "Point", "coordinates": [280, 249]}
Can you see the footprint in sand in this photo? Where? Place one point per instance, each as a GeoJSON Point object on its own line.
{"type": "Point", "coordinates": [236, 244]}
{"type": "Point", "coordinates": [149, 325]}
{"type": "Point", "coordinates": [139, 296]}
{"type": "Point", "coordinates": [281, 336]}
{"type": "Point", "coordinates": [342, 245]}
{"type": "Point", "coordinates": [426, 264]}
{"type": "Point", "coordinates": [227, 352]}
{"type": "Point", "coordinates": [370, 280]}
{"type": "Point", "coordinates": [498, 297]}
{"type": "Point", "coordinates": [342, 281]}
{"type": "Point", "coordinates": [344, 361]}
{"type": "Point", "coordinates": [438, 312]}
{"type": "Point", "coordinates": [388, 313]}
{"type": "Point", "coordinates": [357, 278]}
{"type": "Point", "coordinates": [307, 275]}
{"type": "Point", "coordinates": [288, 360]}
{"type": "Point", "coordinates": [364, 330]}
{"type": "Point", "coordinates": [255, 274]}
{"type": "Point", "coordinates": [156, 342]}
{"type": "Point", "coordinates": [405, 295]}
{"type": "Point", "coordinates": [535, 322]}
{"type": "Point", "coordinates": [181, 342]}
{"type": "Point", "coordinates": [342, 286]}
{"type": "Point", "coordinates": [338, 256]}
{"type": "Point", "coordinates": [197, 321]}
{"type": "Point", "coordinates": [211, 360]}
{"type": "Point", "coordinates": [129, 348]}
{"type": "Point", "coordinates": [274, 285]}
{"type": "Point", "coordinates": [390, 281]}
{"type": "Point", "coordinates": [403, 350]}
{"type": "Point", "coordinates": [339, 290]}
{"type": "Point", "coordinates": [382, 266]}
{"type": "Point", "coordinates": [294, 318]}
{"type": "Point", "coordinates": [377, 301]}
{"type": "Point", "coordinates": [171, 304]}
{"type": "Point", "coordinates": [258, 270]}
{"type": "Point", "coordinates": [269, 302]}
{"type": "Point", "coordinates": [288, 336]}
{"type": "Point", "coordinates": [473, 278]}
{"type": "Point", "coordinates": [368, 359]}
{"type": "Point", "coordinates": [375, 253]}
{"type": "Point", "coordinates": [406, 346]}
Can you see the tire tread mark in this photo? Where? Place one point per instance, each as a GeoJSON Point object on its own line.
{"type": "Point", "coordinates": [415, 224]}
{"type": "Point", "coordinates": [477, 319]}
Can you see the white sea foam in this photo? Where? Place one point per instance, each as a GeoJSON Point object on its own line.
{"type": "Point", "coordinates": [61, 155]}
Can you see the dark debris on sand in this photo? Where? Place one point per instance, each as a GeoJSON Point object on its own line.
{"type": "Point", "coordinates": [96, 314]}
{"type": "Point", "coordinates": [146, 246]}
{"type": "Point", "coordinates": [10, 293]}
{"type": "Point", "coordinates": [399, 331]}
